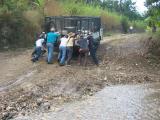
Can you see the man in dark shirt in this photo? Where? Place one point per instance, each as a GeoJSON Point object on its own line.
{"type": "Point", "coordinates": [83, 51]}
{"type": "Point", "coordinates": [92, 49]}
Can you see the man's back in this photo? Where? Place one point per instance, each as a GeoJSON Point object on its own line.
{"type": "Point", "coordinates": [39, 42]}
{"type": "Point", "coordinates": [83, 43]}
{"type": "Point", "coordinates": [70, 42]}
{"type": "Point", "coordinates": [64, 41]}
{"type": "Point", "coordinates": [52, 37]}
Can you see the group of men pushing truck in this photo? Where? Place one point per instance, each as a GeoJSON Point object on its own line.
{"type": "Point", "coordinates": [66, 44]}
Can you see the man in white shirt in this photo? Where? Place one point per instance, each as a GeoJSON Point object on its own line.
{"type": "Point", "coordinates": [39, 42]}
{"type": "Point", "coordinates": [62, 50]}
{"type": "Point", "coordinates": [38, 49]}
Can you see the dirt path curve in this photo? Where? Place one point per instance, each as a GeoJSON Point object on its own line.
{"type": "Point", "coordinates": [22, 83]}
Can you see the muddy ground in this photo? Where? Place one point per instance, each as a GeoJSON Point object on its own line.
{"type": "Point", "coordinates": [27, 87]}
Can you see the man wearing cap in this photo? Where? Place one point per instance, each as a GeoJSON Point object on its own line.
{"type": "Point", "coordinates": [70, 43]}
{"type": "Point", "coordinates": [83, 51]}
{"type": "Point", "coordinates": [51, 40]}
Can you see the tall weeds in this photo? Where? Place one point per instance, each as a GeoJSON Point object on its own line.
{"type": "Point", "coordinates": [111, 21]}
{"type": "Point", "coordinates": [20, 19]}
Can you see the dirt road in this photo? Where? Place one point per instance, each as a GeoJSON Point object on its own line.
{"type": "Point", "coordinates": [24, 84]}
{"type": "Point", "coordinates": [134, 102]}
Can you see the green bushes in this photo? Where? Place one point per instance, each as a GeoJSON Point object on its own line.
{"type": "Point", "coordinates": [140, 26]}
{"type": "Point", "coordinates": [15, 29]}
{"type": "Point", "coordinates": [21, 19]}
{"type": "Point", "coordinates": [124, 24]}
{"type": "Point", "coordinates": [111, 21]}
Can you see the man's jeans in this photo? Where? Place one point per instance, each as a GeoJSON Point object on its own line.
{"type": "Point", "coordinates": [62, 54]}
{"type": "Point", "coordinates": [69, 54]}
{"type": "Point", "coordinates": [37, 54]}
{"type": "Point", "coordinates": [92, 51]}
{"type": "Point", "coordinates": [50, 48]}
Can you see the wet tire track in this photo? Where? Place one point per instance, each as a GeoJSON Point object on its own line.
{"type": "Point", "coordinates": [18, 81]}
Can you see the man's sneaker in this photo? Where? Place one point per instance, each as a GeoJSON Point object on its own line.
{"type": "Point", "coordinates": [49, 62]}
{"type": "Point", "coordinates": [68, 65]}
{"type": "Point", "coordinates": [33, 60]}
{"type": "Point", "coordinates": [60, 64]}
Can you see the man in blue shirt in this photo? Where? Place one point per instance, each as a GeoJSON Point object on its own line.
{"type": "Point", "coordinates": [51, 40]}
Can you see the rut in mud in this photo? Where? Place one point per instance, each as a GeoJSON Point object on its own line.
{"type": "Point", "coordinates": [122, 61]}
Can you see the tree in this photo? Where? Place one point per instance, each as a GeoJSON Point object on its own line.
{"type": "Point", "coordinates": [124, 7]}
{"type": "Point", "coordinates": [153, 13]}
{"type": "Point", "coordinates": [39, 4]}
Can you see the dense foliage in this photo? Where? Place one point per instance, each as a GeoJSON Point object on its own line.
{"type": "Point", "coordinates": [153, 13]}
{"type": "Point", "coordinates": [124, 7]}
{"type": "Point", "coordinates": [21, 19]}
{"type": "Point", "coordinates": [15, 28]}
{"type": "Point", "coordinates": [115, 14]}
